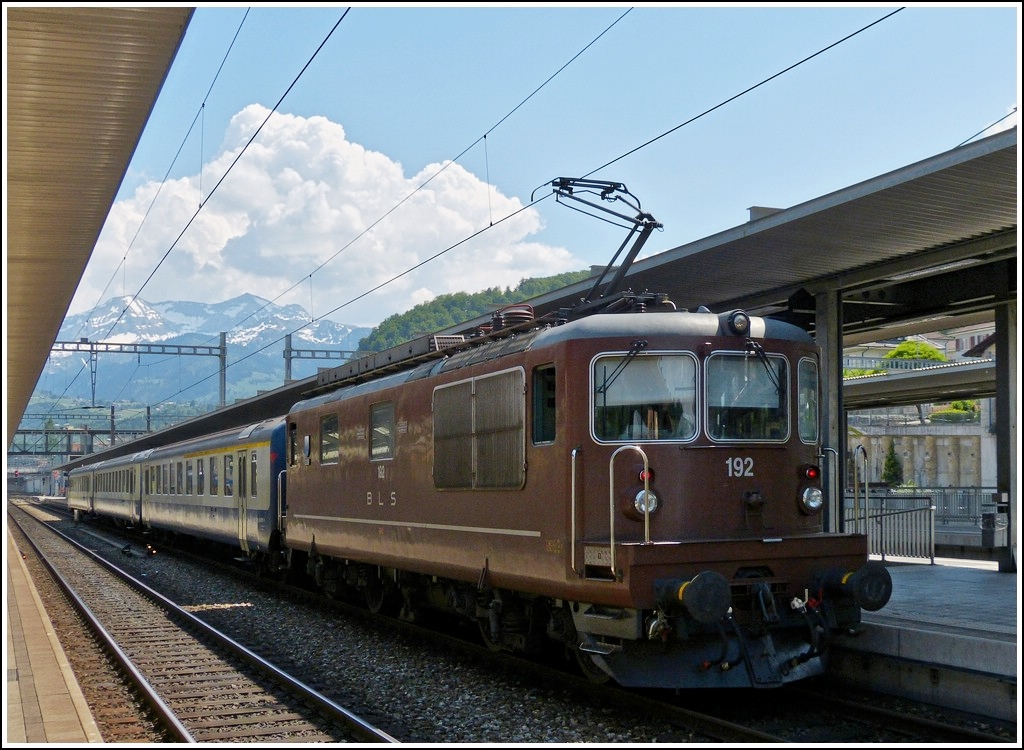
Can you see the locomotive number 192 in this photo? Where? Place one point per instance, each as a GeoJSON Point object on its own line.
{"type": "Point", "coordinates": [739, 466]}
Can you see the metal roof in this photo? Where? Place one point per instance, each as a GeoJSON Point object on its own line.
{"type": "Point", "coordinates": [923, 248]}
{"type": "Point", "coordinates": [928, 247]}
{"type": "Point", "coordinates": [81, 83]}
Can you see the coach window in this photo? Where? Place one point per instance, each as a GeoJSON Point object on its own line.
{"type": "Point", "coordinates": [382, 431]}
{"type": "Point", "coordinates": [188, 477]}
{"type": "Point", "coordinates": [200, 477]}
{"type": "Point", "coordinates": [329, 443]}
{"type": "Point", "coordinates": [253, 463]}
{"type": "Point", "coordinates": [293, 445]}
{"type": "Point", "coordinates": [544, 404]}
{"type": "Point", "coordinates": [214, 484]}
{"type": "Point", "coordinates": [229, 476]}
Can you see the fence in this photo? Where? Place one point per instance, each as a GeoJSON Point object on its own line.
{"type": "Point", "coordinates": [902, 522]}
{"type": "Point", "coordinates": [895, 526]}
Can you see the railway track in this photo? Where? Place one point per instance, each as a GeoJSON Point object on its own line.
{"type": "Point", "coordinates": [201, 685]}
{"type": "Point", "coordinates": [817, 714]}
{"type": "Point", "coordinates": [787, 715]}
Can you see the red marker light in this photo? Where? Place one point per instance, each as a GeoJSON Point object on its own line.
{"type": "Point", "coordinates": [811, 472]}
{"type": "Point", "coordinates": [647, 474]}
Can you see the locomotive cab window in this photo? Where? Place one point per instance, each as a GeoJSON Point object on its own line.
{"type": "Point", "coordinates": [807, 378]}
{"type": "Point", "coordinates": [747, 397]}
{"type": "Point", "coordinates": [644, 397]}
{"type": "Point", "coordinates": [382, 431]}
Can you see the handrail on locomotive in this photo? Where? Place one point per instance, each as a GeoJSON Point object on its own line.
{"type": "Point", "coordinates": [649, 500]}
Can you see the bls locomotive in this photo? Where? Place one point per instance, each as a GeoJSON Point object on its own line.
{"type": "Point", "coordinates": [636, 484]}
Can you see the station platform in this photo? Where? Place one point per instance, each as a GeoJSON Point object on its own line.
{"type": "Point", "coordinates": [949, 635]}
{"type": "Point", "coordinates": [44, 702]}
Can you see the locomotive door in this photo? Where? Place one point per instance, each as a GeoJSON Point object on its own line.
{"type": "Point", "coordinates": [242, 498]}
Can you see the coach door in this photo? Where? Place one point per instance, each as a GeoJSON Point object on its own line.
{"type": "Point", "coordinates": [242, 495]}
{"type": "Point", "coordinates": [139, 477]}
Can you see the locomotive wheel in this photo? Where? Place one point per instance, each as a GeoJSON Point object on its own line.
{"type": "Point", "coordinates": [379, 599]}
{"type": "Point", "coordinates": [590, 670]}
{"type": "Point", "coordinates": [485, 634]}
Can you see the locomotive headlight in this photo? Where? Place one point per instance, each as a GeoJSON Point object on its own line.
{"type": "Point", "coordinates": [739, 322]}
{"type": "Point", "coordinates": [811, 500]}
{"type": "Point", "coordinates": [645, 502]}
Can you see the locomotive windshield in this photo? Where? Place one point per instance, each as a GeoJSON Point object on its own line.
{"type": "Point", "coordinates": [746, 397]}
{"type": "Point", "coordinates": [645, 397]}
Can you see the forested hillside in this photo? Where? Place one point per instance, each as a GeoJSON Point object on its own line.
{"type": "Point", "coordinates": [449, 310]}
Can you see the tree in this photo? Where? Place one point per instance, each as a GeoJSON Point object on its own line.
{"type": "Point", "coordinates": [448, 310]}
{"type": "Point", "coordinates": [917, 350]}
{"type": "Point", "coordinates": [892, 469]}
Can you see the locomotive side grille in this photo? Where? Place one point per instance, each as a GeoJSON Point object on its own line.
{"type": "Point", "coordinates": [453, 436]}
{"type": "Point", "coordinates": [479, 432]}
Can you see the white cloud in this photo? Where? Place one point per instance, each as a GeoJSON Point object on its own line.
{"type": "Point", "coordinates": [306, 217]}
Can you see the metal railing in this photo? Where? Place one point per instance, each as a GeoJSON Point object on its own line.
{"type": "Point", "coordinates": [957, 505]}
{"type": "Point", "coordinates": [895, 526]}
{"type": "Point", "coordinates": [901, 522]}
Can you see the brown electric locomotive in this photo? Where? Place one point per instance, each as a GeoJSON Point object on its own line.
{"type": "Point", "coordinates": [631, 483]}
{"type": "Point", "coordinates": [636, 483]}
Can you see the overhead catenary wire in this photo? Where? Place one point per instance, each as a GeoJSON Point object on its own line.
{"type": "Point", "coordinates": [308, 277]}
{"type": "Point", "coordinates": [369, 228]}
{"type": "Point", "coordinates": [123, 264]}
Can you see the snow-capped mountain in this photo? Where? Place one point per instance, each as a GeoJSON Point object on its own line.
{"type": "Point", "coordinates": [254, 329]}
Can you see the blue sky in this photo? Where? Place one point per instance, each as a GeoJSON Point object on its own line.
{"type": "Point", "coordinates": [342, 191]}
